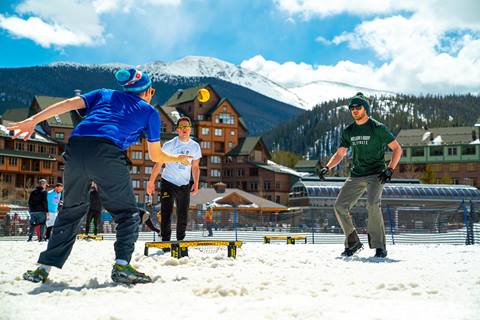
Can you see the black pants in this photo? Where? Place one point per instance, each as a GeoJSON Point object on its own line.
{"type": "Point", "coordinates": [37, 218]}
{"type": "Point", "coordinates": [171, 193]}
{"type": "Point", "coordinates": [95, 216]}
{"type": "Point", "coordinates": [90, 159]}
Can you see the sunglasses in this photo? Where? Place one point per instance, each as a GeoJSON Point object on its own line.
{"type": "Point", "coordinates": [183, 127]}
{"type": "Point", "coordinates": [355, 106]}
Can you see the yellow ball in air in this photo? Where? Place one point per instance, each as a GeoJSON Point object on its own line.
{"type": "Point", "coordinates": [203, 95]}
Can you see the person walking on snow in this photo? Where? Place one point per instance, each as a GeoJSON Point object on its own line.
{"type": "Point", "coordinates": [113, 120]}
{"type": "Point", "coordinates": [54, 199]}
{"type": "Point", "coordinates": [37, 207]}
{"type": "Point", "coordinates": [367, 138]}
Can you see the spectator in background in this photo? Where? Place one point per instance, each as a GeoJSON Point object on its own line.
{"type": "Point", "coordinates": [54, 199]}
{"type": "Point", "coordinates": [94, 211]}
{"type": "Point", "coordinates": [37, 207]}
{"type": "Point", "coordinates": [209, 220]}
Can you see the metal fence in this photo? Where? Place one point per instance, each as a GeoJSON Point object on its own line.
{"type": "Point", "coordinates": [403, 225]}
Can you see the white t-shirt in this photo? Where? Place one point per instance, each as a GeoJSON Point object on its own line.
{"type": "Point", "coordinates": [176, 172]}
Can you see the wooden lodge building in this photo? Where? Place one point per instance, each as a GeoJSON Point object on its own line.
{"type": "Point", "coordinates": [228, 154]}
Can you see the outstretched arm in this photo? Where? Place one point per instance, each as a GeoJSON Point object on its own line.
{"type": "Point", "coordinates": [158, 155]}
{"type": "Point", "coordinates": [28, 125]}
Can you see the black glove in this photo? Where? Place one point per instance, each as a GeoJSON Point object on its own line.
{"type": "Point", "coordinates": [385, 176]}
{"type": "Point", "coordinates": [323, 172]}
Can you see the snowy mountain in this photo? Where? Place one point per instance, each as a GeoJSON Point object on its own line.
{"type": "Point", "coordinates": [305, 97]}
{"type": "Point", "coordinates": [322, 91]}
{"type": "Point", "coordinates": [206, 67]}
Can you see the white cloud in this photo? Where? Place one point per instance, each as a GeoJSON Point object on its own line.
{"type": "Point", "coordinates": [325, 8]}
{"type": "Point", "coordinates": [72, 22]}
{"type": "Point", "coordinates": [432, 48]}
{"type": "Point", "coordinates": [42, 33]}
{"type": "Point", "coordinates": [291, 74]}
{"type": "Point", "coordinates": [323, 40]}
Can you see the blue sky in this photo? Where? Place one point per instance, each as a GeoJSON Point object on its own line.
{"type": "Point", "coordinates": [401, 46]}
{"type": "Point", "coordinates": [228, 30]}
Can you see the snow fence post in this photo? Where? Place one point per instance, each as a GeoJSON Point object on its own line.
{"type": "Point", "coordinates": [389, 215]}
{"type": "Point", "coordinates": [235, 221]}
{"type": "Point", "coordinates": [465, 222]}
{"type": "Point", "coordinates": [472, 220]}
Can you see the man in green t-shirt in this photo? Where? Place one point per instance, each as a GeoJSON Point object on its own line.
{"type": "Point", "coordinates": [367, 138]}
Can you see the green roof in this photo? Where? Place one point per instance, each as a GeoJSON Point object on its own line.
{"type": "Point", "coordinates": [16, 114]}
{"type": "Point", "coordinates": [447, 135]}
{"type": "Point", "coordinates": [244, 146]}
{"type": "Point", "coordinates": [25, 154]}
{"type": "Point", "coordinates": [60, 121]}
{"type": "Point", "coordinates": [184, 95]}
{"type": "Point", "coordinates": [306, 164]}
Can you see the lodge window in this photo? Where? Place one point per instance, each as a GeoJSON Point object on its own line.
{"type": "Point", "coordinates": [136, 184]}
{"type": "Point", "coordinates": [436, 151]}
{"type": "Point", "coordinates": [468, 150]}
{"type": "Point", "coordinates": [12, 161]}
{"type": "Point", "coordinates": [253, 186]}
{"type": "Point", "coordinates": [418, 152]}
{"type": "Point", "coordinates": [2, 159]}
{"type": "Point", "coordinates": [147, 157]}
{"type": "Point", "coordinates": [218, 132]}
{"type": "Point", "coordinates": [232, 132]}
{"type": "Point", "coordinates": [253, 172]}
{"type": "Point", "coordinates": [215, 173]}
{"type": "Point", "coordinates": [225, 118]}
{"type": "Point", "coordinates": [205, 131]}
{"type": "Point", "coordinates": [452, 151]}
{"type": "Point", "coordinates": [148, 170]}
{"type": "Point", "coordinates": [18, 146]}
{"type": "Point", "coordinates": [59, 135]}
{"type": "Point", "coordinates": [266, 185]}
{"type": "Point", "coordinates": [240, 172]}
{"type": "Point", "coordinates": [205, 144]}
{"type": "Point", "coordinates": [134, 170]}
{"type": "Point", "coordinates": [215, 159]}
{"type": "Point", "coordinates": [42, 149]}
{"type": "Point", "coordinates": [137, 155]}
{"type": "Point", "coordinates": [46, 164]}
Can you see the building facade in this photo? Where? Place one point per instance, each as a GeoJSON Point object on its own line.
{"type": "Point", "coordinates": [23, 163]}
{"type": "Point", "coordinates": [441, 155]}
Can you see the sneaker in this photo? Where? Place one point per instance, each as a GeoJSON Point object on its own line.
{"type": "Point", "coordinates": [380, 253]}
{"type": "Point", "coordinates": [352, 249]}
{"type": "Point", "coordinates": [36, 275]}
{"type": "Point", "coordinates": [128, 275]}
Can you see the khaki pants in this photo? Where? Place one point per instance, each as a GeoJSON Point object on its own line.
{"type": "Point", "coordinates": [351, 191]}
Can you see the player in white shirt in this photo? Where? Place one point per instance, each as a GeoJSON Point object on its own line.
{"type": "Point", "coordinates": [176, 180]}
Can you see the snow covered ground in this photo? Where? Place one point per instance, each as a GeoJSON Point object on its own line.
{"type": "Point", "coordinates": [266, 281]}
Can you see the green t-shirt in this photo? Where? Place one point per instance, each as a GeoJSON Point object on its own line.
{"type": "Point", "coordinates": [368, 146]}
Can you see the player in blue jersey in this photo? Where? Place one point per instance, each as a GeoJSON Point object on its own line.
{"type": "Point", "coordinates": [113, 120]}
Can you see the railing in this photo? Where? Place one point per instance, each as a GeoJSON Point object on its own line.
{"type": "Point", "coordinates": [429, 225]}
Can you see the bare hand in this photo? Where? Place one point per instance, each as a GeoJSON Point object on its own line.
{"type": "Point", "coordinates": [27, 125]}
{"type": "Point", "coordinates": [150, 187]}
{"type": "Point", "coordinates": [184, 159]}
{"type": "Point", "coordinates": [194, 189]}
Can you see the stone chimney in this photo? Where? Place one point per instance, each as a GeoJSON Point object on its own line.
{"type": "Point", "coordinates": [77, 92]}
{"type": "Point", "coordinates": [220, 187]}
